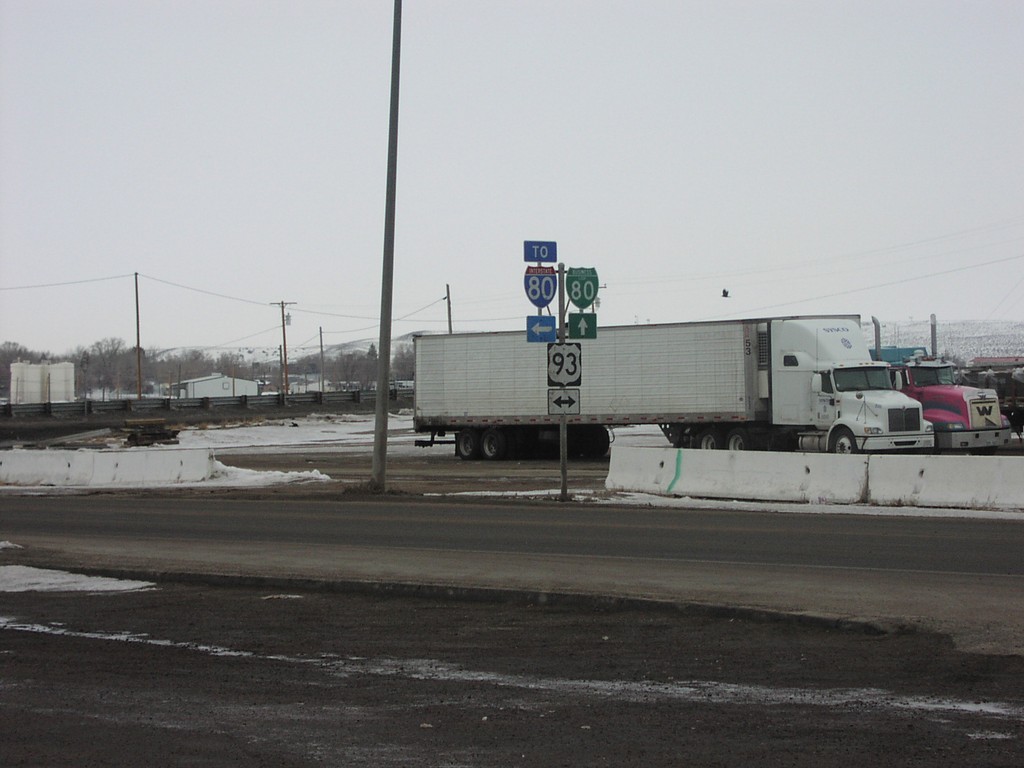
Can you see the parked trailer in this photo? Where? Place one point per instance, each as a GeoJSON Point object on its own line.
{"type": "Point", "coordinates": [1006, 377]}
{"type": "Point", "coordinates": [775, 383]}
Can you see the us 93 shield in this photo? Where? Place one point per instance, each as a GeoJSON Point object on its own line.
{"type": "Point", "coordinates": [565, 363]}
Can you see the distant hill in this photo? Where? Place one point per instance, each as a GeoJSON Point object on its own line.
{"type": "Point", "coordinates": [363, 345]}
{"type": "Point", "coordinates": [961, 340]}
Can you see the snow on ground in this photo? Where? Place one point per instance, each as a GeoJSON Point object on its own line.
{"type": "Point", "coordinates": [22, 578]}
{"type": "Point", "coordinates": [346, 433]}
{"type": "Point", "coordinates": [231, 477]}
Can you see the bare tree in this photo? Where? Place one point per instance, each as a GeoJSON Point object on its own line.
{"type": "Point", "coordinates": [110, 359]}
{"type": "Point", "coordinates": [403, 363]}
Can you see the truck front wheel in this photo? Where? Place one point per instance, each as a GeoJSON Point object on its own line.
{"type": "Point", "coordinates": [467, 444]}
{"type": "Point", "coordinates": [842, 441]}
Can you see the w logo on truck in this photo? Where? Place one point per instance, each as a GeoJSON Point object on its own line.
{"type": "Point", "coordinates": [984, 414]}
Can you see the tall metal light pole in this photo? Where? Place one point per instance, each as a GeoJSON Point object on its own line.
{"type": "Point", "coordinates": [448, 299]}
{"type": "Point", "coordinates": [138, 342]}
{"type": "Point", "coordinates": [378, 478]}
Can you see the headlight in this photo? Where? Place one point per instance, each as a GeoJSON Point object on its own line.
{"type": "Point", "coordinates": [949, 426]}
{"type": "Point", "coordinates": [872, 430]}
{"type": "Point", "coordinates": [929, 427]}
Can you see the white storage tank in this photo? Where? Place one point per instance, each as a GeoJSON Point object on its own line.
{"type": "Point", "coordinates": [42, 383]}
{"type": "Point", "coordinates": [61, 382]}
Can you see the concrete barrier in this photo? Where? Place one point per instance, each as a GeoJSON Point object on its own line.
{"type": "Point", "coordinates": [137, 466]}
{"type": "Point", "coordinates": [984, 482]}
{"type": "Point", "coordinates": [972, 482]}
{"type": "Point", "coordinates": [753, 475]}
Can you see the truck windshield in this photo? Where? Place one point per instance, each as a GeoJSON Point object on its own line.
{"type": "Point", "coordinates": [856, 379]}
{"type": "Point", "coordinates": [929, 377]}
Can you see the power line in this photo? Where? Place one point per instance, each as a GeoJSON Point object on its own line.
{"type": "Point", "coordinates": [817, 265]}
{"type": "Point", "coordinates": [69, 282]}
{"type": "Point", "coordinates": [200, 290]}
{"type": "Point", "coordinates": [1009, 293]}
{"type": "Point", "coordinates": [915, 278]}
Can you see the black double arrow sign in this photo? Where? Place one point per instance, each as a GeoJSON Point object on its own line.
{"type": "Point", "coordinates": [563, 401]}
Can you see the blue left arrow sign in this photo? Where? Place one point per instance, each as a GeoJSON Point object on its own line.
{"type": "Point", "coordinates": [541, 328]}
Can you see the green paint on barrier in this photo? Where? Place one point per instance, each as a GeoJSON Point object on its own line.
{"type": "Point", "coordinates": [679, 469]}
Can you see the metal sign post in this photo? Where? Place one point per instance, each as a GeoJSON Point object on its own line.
{"type": "Point", "coordinates": [563, 422]}
{"type": "Point", "coordinates": [564, 360]}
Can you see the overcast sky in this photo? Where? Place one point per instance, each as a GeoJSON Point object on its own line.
{"type": "Point", "coordinates": [856, 157]}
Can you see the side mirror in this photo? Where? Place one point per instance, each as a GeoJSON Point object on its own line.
{"type": "Point", "coordinates": [816, 383]}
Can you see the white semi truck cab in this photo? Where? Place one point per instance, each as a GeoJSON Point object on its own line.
{"type": "Point", "coordinates": [823, 376]}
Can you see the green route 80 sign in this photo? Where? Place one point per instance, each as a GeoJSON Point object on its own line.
{"type": "Point", "coordinates": [581, 285]}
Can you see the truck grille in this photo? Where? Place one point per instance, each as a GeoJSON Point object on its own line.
{"type": "Point", "coordinates": [904, 420]}
{"type": "Point", "coordinates": [985, 414]}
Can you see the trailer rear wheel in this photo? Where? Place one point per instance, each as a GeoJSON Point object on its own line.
{"type": "Point", "coordinates": [467, 444]}
{"type": "Point", "coordinates": [594, 442]}
{"type": "Point", "coordinates": [737, 440]}
{"type": "Point", "coordinates": [708, 439]}
{"type": "Point", "coordinates": [494, 444]}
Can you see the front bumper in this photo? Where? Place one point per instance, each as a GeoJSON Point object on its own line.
{"type": "Point", "coordinates": [911, 441]}
{"type": "Point", "coordinates": [970, 440]}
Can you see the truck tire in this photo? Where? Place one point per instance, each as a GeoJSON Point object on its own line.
{"type": "Point", "coordinates": [494, 444]}
{"type": "Point", "coordinates": [467, 444]}
{"type": "Point", "coordinates": [842, 441]}
{"type": "Point", "coordinates": [737, 440]}
{"type": "Point", "coordinates": [708, 439]}
{"type": "Point", "coordinates": [588, 441]}
{"type": "Point", "coordinates": [597, 443]}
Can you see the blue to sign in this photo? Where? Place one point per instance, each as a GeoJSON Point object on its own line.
{"type": "Point", "coordinates": [541, 328]}
{"type": "Point", "coordinates": [541, 285]}
{"type": "Point", "coordinates": [540, 251]}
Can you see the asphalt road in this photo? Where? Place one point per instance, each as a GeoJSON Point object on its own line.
{"type": "Point", "coordinates": [958, 547]}
{"type": "Point", "coordinates": [964, 578]}
{"type": "Point", "coordinates": [317, 625]}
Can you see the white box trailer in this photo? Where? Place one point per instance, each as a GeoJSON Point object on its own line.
{"type": "Point", "coordinates": [772, 383]}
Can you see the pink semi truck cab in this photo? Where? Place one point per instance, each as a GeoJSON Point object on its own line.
{"type": "Point", "coordinates": [966, 419]}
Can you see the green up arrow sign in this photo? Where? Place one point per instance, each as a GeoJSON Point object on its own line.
{"type": "Point", "coordinates": [581, 285]}
{"type": "Point", "coordinates": [582, 325]}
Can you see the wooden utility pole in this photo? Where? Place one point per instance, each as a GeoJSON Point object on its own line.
{"type": "Point", "coordinates": [321, 363]}
{"type": "Point", "coordinates": [284, 352]}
